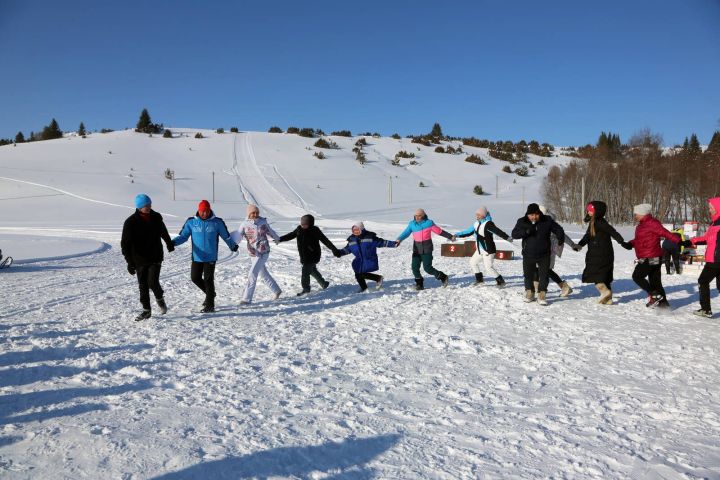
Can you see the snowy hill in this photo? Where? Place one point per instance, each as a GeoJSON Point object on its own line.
{"type": "Point", "coordinates": [461, 382]}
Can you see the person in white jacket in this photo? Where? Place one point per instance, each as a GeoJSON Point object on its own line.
{"type": "Point", "coordinates": [256, 230]}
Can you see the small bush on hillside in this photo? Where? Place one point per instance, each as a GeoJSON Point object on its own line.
{"type": "Point", "coordinates": [307, 132]}
{"type": "Point", "coordinates": [220, 130]}
{"type": "Point", "coordinates": [361, 142]}
{"type": "Point", "coordinates": [421, 141]}
{"type": "Point", "coordinates": [169, 174]}
{"type": "Point", "coordinates": [501, 155]}
{"type": "Point", "coordinates": [323, 143]}
{"type": "Point", "coordinates": [278, 130]}
{"type": "Point", "coordinates": [450, 150]}
{"type": "Point", "coordinates": [404, 154]}
{"type": "Point", "coordinates": [439, 150]}
{"type": "Point", "coordinates": [233, 129]}
{"type": "Point", "coordinates": [476, 159]}
{"type": "Point", "coordinates": [507, 169]}
{"type": "Point", "coordinates": [342, 133]}
{"type": "Point", "coordinates": [167, 133]}
{"type": "Point", "coordinates": [541, 163]}
{"type": "Point", "coordinates": [319, 155]}
{"type": "Point", "coordinates": [522, 171]}
{"type": "Point", "coordinates": [396, 136]}
{"type": "Point", "coordinates": [199, 135]}
{"type": "Point", "coordinates": [360, 157]}
{"type": "Point", "coordinates": [421, 185]}
{"type": "Point", "coordinates": [289, 130]}
{"type": "Point", "coordinates": [478, 190]}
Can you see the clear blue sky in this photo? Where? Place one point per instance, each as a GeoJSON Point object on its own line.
{"type": "Point", "coordinates": [556, 71]}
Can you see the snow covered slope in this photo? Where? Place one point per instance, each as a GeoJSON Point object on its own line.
{"type": "Point", "coordinates": [462, 382]}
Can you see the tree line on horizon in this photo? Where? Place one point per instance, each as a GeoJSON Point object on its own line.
{"type": "Point", "coordinates": [677, 181]}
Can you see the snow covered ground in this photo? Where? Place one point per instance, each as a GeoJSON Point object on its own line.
{"type": "Point", "coordinates": [462, 382]}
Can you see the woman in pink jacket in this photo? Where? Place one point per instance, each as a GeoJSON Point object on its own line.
{"type": "Point", "coordinates": [711, 270]}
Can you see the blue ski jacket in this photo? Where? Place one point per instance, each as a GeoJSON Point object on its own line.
{"type": "Point", "coordinates": [364, 247]}
{"type": "Point", "coordinates": [205, 235]}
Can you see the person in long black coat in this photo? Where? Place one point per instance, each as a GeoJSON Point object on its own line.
{"type": "Point", "coordinates": [600, 256]}
{"type": "Point", "coordinates": [141, 246]}
{"type": "Point", "coordinates": [308, 244]}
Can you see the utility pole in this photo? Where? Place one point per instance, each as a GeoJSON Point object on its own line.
{"type": "Point", "coordinates": [582, 199]}
{"type": "Point", "coordinates": [213, 187]}
{"type": "Point", "coordinates": [497, 182]}
{"type": "Point", "coordinates": [173, 179]}
{"type": "Point", "coordinates": [390, 190]}
{"type": "Point", "coordinates": [523, 195]}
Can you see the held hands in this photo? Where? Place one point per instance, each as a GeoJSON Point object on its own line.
{"type": "Point", "coordinates": [131, 269]}
{"type": "Point", "coordinates": [686, 244]}
{"type": "Point", "coordinates": [453, 238]}
{"type": "Point", "coordinates": [626, 245]}
{"type": "Point", "coordinates": [170, 247]}
{"type": "Point", "coordinates": [577, 248]}
{"type": "Point", "coordinates": [235, 248]}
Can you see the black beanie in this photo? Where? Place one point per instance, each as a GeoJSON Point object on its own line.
{"type": "Point", "coordinates": [533, 208]}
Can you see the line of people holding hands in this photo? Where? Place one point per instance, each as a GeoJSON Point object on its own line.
{"type": "Point", "coordinates": [542, 240]}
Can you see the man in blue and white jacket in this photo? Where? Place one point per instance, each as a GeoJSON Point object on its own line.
{"type": "Point", "coordinates": [205, 229]}
{"type": "Point", "coordinates": [484, 229]}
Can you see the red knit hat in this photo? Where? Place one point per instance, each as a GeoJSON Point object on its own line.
{"type": "Point", "coordinates": [204, 206]}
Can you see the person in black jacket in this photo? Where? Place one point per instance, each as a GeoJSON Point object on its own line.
{"type": "Point", "coordinates": [535, 229]}
{"type": "Point", "coordinates": [600, 256]}
{"type": "Point", "coordinates": [308, 243]}
{"type": "Point", "coordinates": [143, 252]}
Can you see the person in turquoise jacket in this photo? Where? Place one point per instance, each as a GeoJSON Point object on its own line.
{"type": "Point", "coordinates": [205, 229]}
{"type": "Point", "coordinates": [422, 229]}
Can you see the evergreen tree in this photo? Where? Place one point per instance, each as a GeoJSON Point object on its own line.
{"type": "Point", "coordinates": [81, 129]}
{"type": "Point", "coordinates": [51, 131]}
{"type": "Point", "coordinates": [713, 150]}
{"type": "Point", "coordinates": [694, 145]}
{"type": "Point", "coordinates": [686, 145]}
{"type": "Point", "coordinates": [602, 140]}
{"type": "Point", "coordinates": [19, 138]}
{"type": "Point", "coordinates": [32, 137]}
{"type": "Point", "coordinates": [436, 131]}
{"type": "Point", "coordinates": [144, 124]}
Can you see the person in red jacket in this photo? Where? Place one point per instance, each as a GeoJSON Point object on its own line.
{"type": "Point", "coordinates": [711, 270]}
{"type": "Point", "coordinates": [649, 254]}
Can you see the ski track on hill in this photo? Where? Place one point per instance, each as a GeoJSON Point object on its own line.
{"type": "Point", "coordinates": [463, 382]}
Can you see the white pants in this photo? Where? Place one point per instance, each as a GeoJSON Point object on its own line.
{"type": "Point", "coordinates": [487, 259]}
{"type": "Point", "coordinates": [257, 269]}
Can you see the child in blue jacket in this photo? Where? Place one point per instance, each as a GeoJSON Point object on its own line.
{"type": "Point", "coordinates": [363, 244]}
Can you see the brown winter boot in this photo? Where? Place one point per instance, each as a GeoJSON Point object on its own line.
{"type": "Point", "coordinates": [541, 299]}
{"type": "Point", "coordinates": [605, 294]}
{"type": "Point", "coordinates": [565, 289]}
{"type": "Point", "coordinates": [529, 296]}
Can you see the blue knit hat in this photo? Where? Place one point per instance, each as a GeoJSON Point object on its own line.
{"type": "Point", "coordinates": [141, 200]}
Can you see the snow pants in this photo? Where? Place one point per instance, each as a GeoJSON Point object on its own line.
{"type": "Point", "coordinates": [426, 260]}
{"type": "Point", "coordinates": [536, 268]}
{"type": "Point", "coordinates": [649, 269]}
{"type": "Point", "coordinates": [257, 269]}
{"type": "Point", "coordinates": [202, 274]}
{"type": "Point", "coordinates": [487, 259]}
{"type": "Point", "coordinates": [149, 279]}
{"type": "Point", "coordinates": [310, 270]}
{"type": "Point", "coordinates": [710, 272]}
{"type": "Point", "coordinates": [361, 277]}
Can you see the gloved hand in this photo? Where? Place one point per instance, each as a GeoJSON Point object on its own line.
{"type": "Point", "coordinates": [686, 244]}
{"type": "Point", "coordinates": [337, 253]}
{"type": "Point", "coordinates": [626, 245]}
{"type": "Point", "coordinates": [235, 248]}
{"type": "Point", "coordinates": [131, 269]}
{"type": "Point", "coordinates": [577, 248]}
{"type": "Point", "coordinates": [397, 243]}
{"type": "Point", "coordinates": [170, 247]}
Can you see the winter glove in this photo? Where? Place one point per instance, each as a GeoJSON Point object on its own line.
{"type": "Point", "coordinates": [686, 244]}
{"type": "Point", "coordinates": [170, 247]}
{"type": "Point", "coordinates": [626, 245]}
{"type": "Point", "coordinates": [235, 248]}
{"type": "Point", "coordinates": [577, 248]}
{"type": "Point", "coordinates": [131, 269]}
{"type": "Point", "coordinates": [337, 254]}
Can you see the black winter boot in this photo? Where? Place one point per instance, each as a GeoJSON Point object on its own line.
{"type": "Point", "coordinates": [500, 281]}
{"type": "Point", "coordinates": [161, 305]}
{"type": "Point", "coordinates": [479, 278]}
{"type": "Point", "coordinates": [443, 278]}
{"type": "Point", "coordinates": [143, 316]}
{"type": "Point", "coordinates": [208, 305]}
{"type": "Point", "coordinates": [419, 284]}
